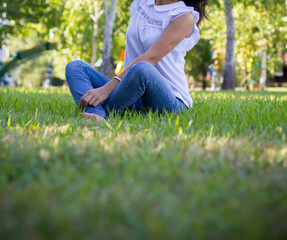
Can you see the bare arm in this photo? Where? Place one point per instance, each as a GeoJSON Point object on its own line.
{"type": "Point", "coordinates": [171, 37]}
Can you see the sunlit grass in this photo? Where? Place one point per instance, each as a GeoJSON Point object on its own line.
{"type": "Point", "coordinates": [276, 89]}
{"type": "Point", "coordinates": [217, 171]}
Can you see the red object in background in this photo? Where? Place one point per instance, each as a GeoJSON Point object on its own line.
{"type": "Point", "coordinates": [122, 55]}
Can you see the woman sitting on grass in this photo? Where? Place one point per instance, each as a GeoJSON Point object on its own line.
{"type": "Point", "coordinates": [158, 37]}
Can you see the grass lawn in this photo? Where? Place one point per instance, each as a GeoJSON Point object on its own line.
{"type": "Point", "coordinates": [217, 172]}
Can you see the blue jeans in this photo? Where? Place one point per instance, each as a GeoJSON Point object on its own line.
{"type": "Point", "coordinates": [142, 88]}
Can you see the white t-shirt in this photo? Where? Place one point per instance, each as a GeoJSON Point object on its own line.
{"type": "Point", "coordinates": [147, 23]}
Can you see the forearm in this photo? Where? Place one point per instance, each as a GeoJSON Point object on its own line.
{"type": "Point", "coordinates": [143, 58]}
{"type": "Point", "coordinates": [111, 85]}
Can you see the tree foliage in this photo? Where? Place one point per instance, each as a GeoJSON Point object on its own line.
{"type": "Point", "coordinates": [260, 25]}
{"type": "Point", "coordinates": [23, 16]}
{"type": "Point", "coordinates": [198, 61]}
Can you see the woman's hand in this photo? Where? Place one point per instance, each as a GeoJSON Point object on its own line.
{"type": "Point", "coordinates": [94, 97]}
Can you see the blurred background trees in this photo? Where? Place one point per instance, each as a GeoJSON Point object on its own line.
{"type": "Point", "coordinates": [78, 28]}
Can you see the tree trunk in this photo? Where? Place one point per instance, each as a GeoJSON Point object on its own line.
{"type": "Point", "coordinates": [110, 16]}
{"type": "Point", "coordinates": [204, 83]}
{"type": "Point", "coordinates": [95, 17]}
{"type": "Point", "coordinates": [263, 75]}
{"type": "Point", "coordinates": [229, 66]}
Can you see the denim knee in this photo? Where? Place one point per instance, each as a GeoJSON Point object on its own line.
{"type": "Point", "coordinates": [141, 72]}
{"type": "Point", "coordinates": [142, 67]}
{"type": "Point", "coordinates": [71, 66]}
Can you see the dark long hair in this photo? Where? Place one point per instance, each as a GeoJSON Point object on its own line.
{"type": "Point", "coordinates": [200, 6]}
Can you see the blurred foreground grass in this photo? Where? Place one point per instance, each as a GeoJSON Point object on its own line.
{"type": "Point", "coordinates": [217, 172]}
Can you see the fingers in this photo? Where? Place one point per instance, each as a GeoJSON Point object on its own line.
{"type": "Point", "coordinates": [85, 99]}
{"type": "Point", "coordinates": [97, 102]}
{"type": "Point", "coordinates": [91, 102]}
{"type": "Point", "coordinates": [92, 98]}
{"type": "Point", "coordinates": [81, 105]}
